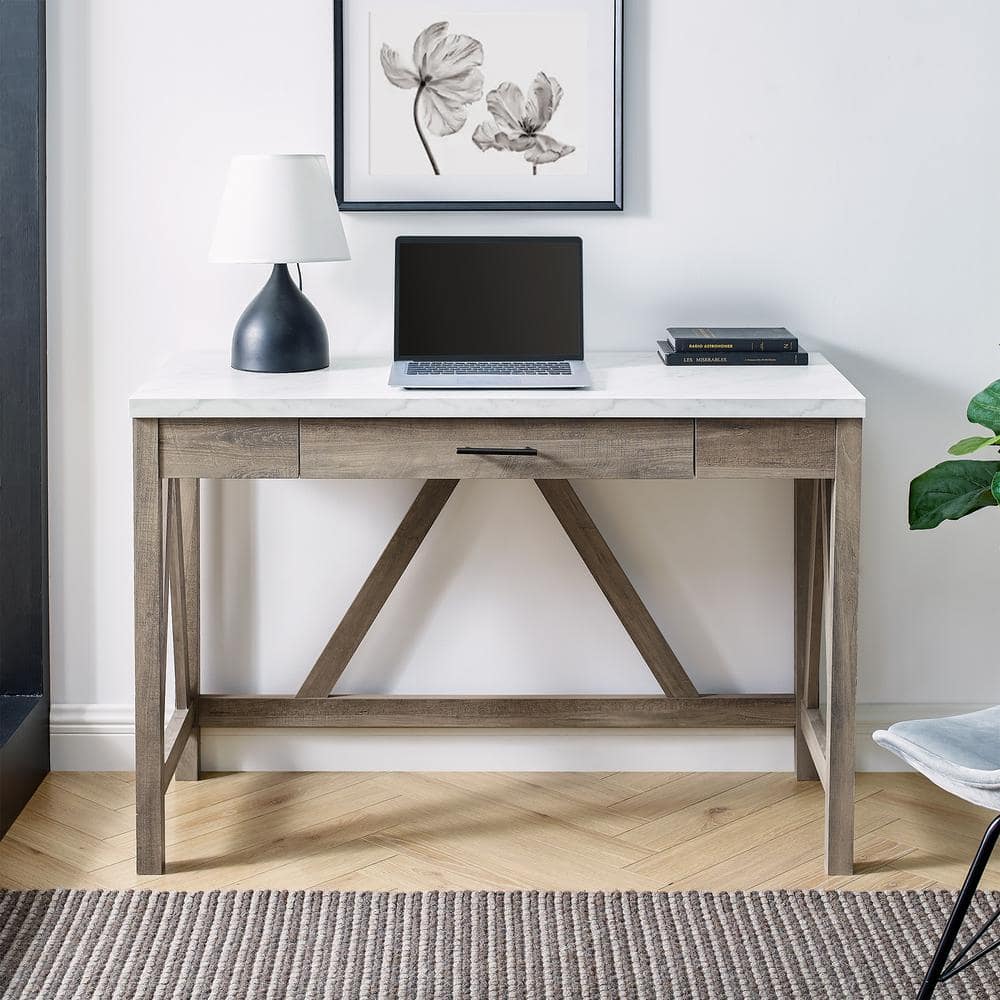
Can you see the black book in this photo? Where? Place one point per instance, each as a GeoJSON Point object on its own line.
{"type": "Point", "coordinates": [731, 338]}
{"type": "Point", "coordinates": [781, 358]}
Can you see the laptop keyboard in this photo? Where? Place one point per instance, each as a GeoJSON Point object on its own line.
{"type": "Point", "coordinates": [488, 368]}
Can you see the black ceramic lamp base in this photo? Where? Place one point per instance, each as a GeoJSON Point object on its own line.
{"type": "Point", "coordinates": [280, 331]}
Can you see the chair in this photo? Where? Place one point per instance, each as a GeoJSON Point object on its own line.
{"type": "Point", "coordinates": [962, 755]}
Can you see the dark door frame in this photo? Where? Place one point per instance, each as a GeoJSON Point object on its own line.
{"type": "Point", "coordinates": [24, 606]}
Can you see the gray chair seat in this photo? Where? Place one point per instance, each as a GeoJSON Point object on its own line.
{"type": "Point", "coordinates": [960, 753]}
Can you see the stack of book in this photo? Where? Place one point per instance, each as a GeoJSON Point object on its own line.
{"type": "Point", "coordinates": [721, 345]}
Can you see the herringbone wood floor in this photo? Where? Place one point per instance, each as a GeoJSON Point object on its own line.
{"type": "Point", "coordinates": [476, 830]}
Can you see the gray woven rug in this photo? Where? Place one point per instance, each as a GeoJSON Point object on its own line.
{"type": "Point", "coordinates": [487, 945]}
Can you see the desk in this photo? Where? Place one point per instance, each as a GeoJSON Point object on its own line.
{"type": "Point", "coordinates": [199, 420]}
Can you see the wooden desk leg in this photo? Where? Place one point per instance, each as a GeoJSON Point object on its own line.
{"type": "Point", "coordinates": [150, 648]}
{"type": "Point", "coordinates": [842, 644]}
{"type": "Point", "coordinates": [189, 767]}
{"type": "Point", "coordinates": [809, 575]}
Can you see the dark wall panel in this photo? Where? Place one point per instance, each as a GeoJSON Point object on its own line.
{"type": "Point", "coordinates": [23, 520]}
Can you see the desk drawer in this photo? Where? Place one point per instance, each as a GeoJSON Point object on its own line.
{"type": "Point", "coordinates": [552, 449]}
{"type": "Point", "coordinates": [240, 448]}
{"type": "Point", "coordinates": [752, 449]}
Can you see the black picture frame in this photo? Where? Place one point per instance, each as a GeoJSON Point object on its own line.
{"type": "Point", "coordinates": [616, 204]}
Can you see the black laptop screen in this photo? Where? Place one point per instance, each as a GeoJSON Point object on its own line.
{"type": "Point", "coordinates": [489, 299]}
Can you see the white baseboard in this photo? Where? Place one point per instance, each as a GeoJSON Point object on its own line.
{"type": "Point", "coordinates": [91, 737]}
{"type": "Point", "coordinates": [99, 738]}
{"type": "Point", "coordinates": [91, 720]}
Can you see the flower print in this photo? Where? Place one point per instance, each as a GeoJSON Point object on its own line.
{"type": "Point", "coordinates": [517, 123]}
{"type": "Point", "coordinates": [447, 77]}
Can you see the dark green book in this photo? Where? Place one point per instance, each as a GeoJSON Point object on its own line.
{"type": "Point", "coordinates": [780, 358]}
{"type": "Point", "coordinates": [731, 338]}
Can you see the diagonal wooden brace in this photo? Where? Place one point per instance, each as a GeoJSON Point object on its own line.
{"type": "Point", "coordinates": [617, 588]}
{"type": "Point", "coordinates": [178, 599]}
{"type": "Point", "coordinates": [582, 531]}
{"type": "Point", "coordinates": [811, 512]}
{"type": "Point", "coordinates": [375, 592]}
{"type": "Point", "coordinates": [183, 563]}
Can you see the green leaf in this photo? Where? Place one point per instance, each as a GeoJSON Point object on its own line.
{"type": "Point", "coordinates": [984, 408]}
{"type": "Point", "coordinates": [995, 487]}
{"type": "Point", "coordinates": [951, 490]}
{"type": "Point", "coordinates": [968, 445]}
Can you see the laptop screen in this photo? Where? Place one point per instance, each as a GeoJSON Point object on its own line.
{"type": "Point", "coordinates": [489, 298]}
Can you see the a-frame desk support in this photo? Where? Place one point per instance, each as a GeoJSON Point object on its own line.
{"type": "Point", "coordinates": [821, 456]}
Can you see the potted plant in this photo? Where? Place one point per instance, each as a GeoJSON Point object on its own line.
{"type": "Point", "coordinates": [953, 489]}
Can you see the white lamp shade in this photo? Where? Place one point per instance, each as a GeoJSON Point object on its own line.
{"type": "Point", "coordinates": [279, 209]}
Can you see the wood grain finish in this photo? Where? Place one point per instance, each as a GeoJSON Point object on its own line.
{"type": "Point", "coordinates": [514, 830]}
{"type": "Point", "coordinates": [189, 766]}
{"type": "Point", "coordinates": [817, 607]}
{"type": "Point", "coordinates": [810, 724]}
{"type": "Point", "coordinates": [386, 573]}
{"type": "Point", "coordinates": [175, 740]}
{"type": "Point", "coordinates": [183, 577]}
{"type": "Point", "coordinates": [149, 688]}
{"type": "Point", "coordinates": [567, 449]}
{"type": "Point", "coordinates": [616, 587]}
{"type": "Point", "coordinates": [842, 669]}
{"type": "Point", "coordinates": [178, 598]}
{"type": "Point", "coordinates": [822, 455]}
{"type": "Point", "coordinates": [498, 711]}
{"type": "Point", "coordinates": [229, 449]}
{"type": "Point", "coordinates": [752, 449]}
{"type": "Point", "coordinates": [809, 576]}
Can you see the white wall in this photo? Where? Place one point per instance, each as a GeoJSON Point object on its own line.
{"type": "Point", "coordinates": [830, 167]}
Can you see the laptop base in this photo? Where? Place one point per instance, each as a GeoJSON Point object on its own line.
{"type": "Point", "coordinates": [578, 378]}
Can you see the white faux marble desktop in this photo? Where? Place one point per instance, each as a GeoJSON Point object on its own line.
{"type": "Point", "coordinates": [635, 384]}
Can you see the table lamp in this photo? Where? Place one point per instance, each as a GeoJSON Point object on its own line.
{"type": "Point", "coordinates": [279, 209]}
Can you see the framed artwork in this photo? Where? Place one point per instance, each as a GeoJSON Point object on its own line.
{"type": "Point", "coordinates": [473, 105]}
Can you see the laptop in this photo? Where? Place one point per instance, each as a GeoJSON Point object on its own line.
{"type": "Point", "coordinates": [489, 312]}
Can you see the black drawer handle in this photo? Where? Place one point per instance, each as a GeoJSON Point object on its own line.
{"type": "Point", "coordinates": [496, 451]}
